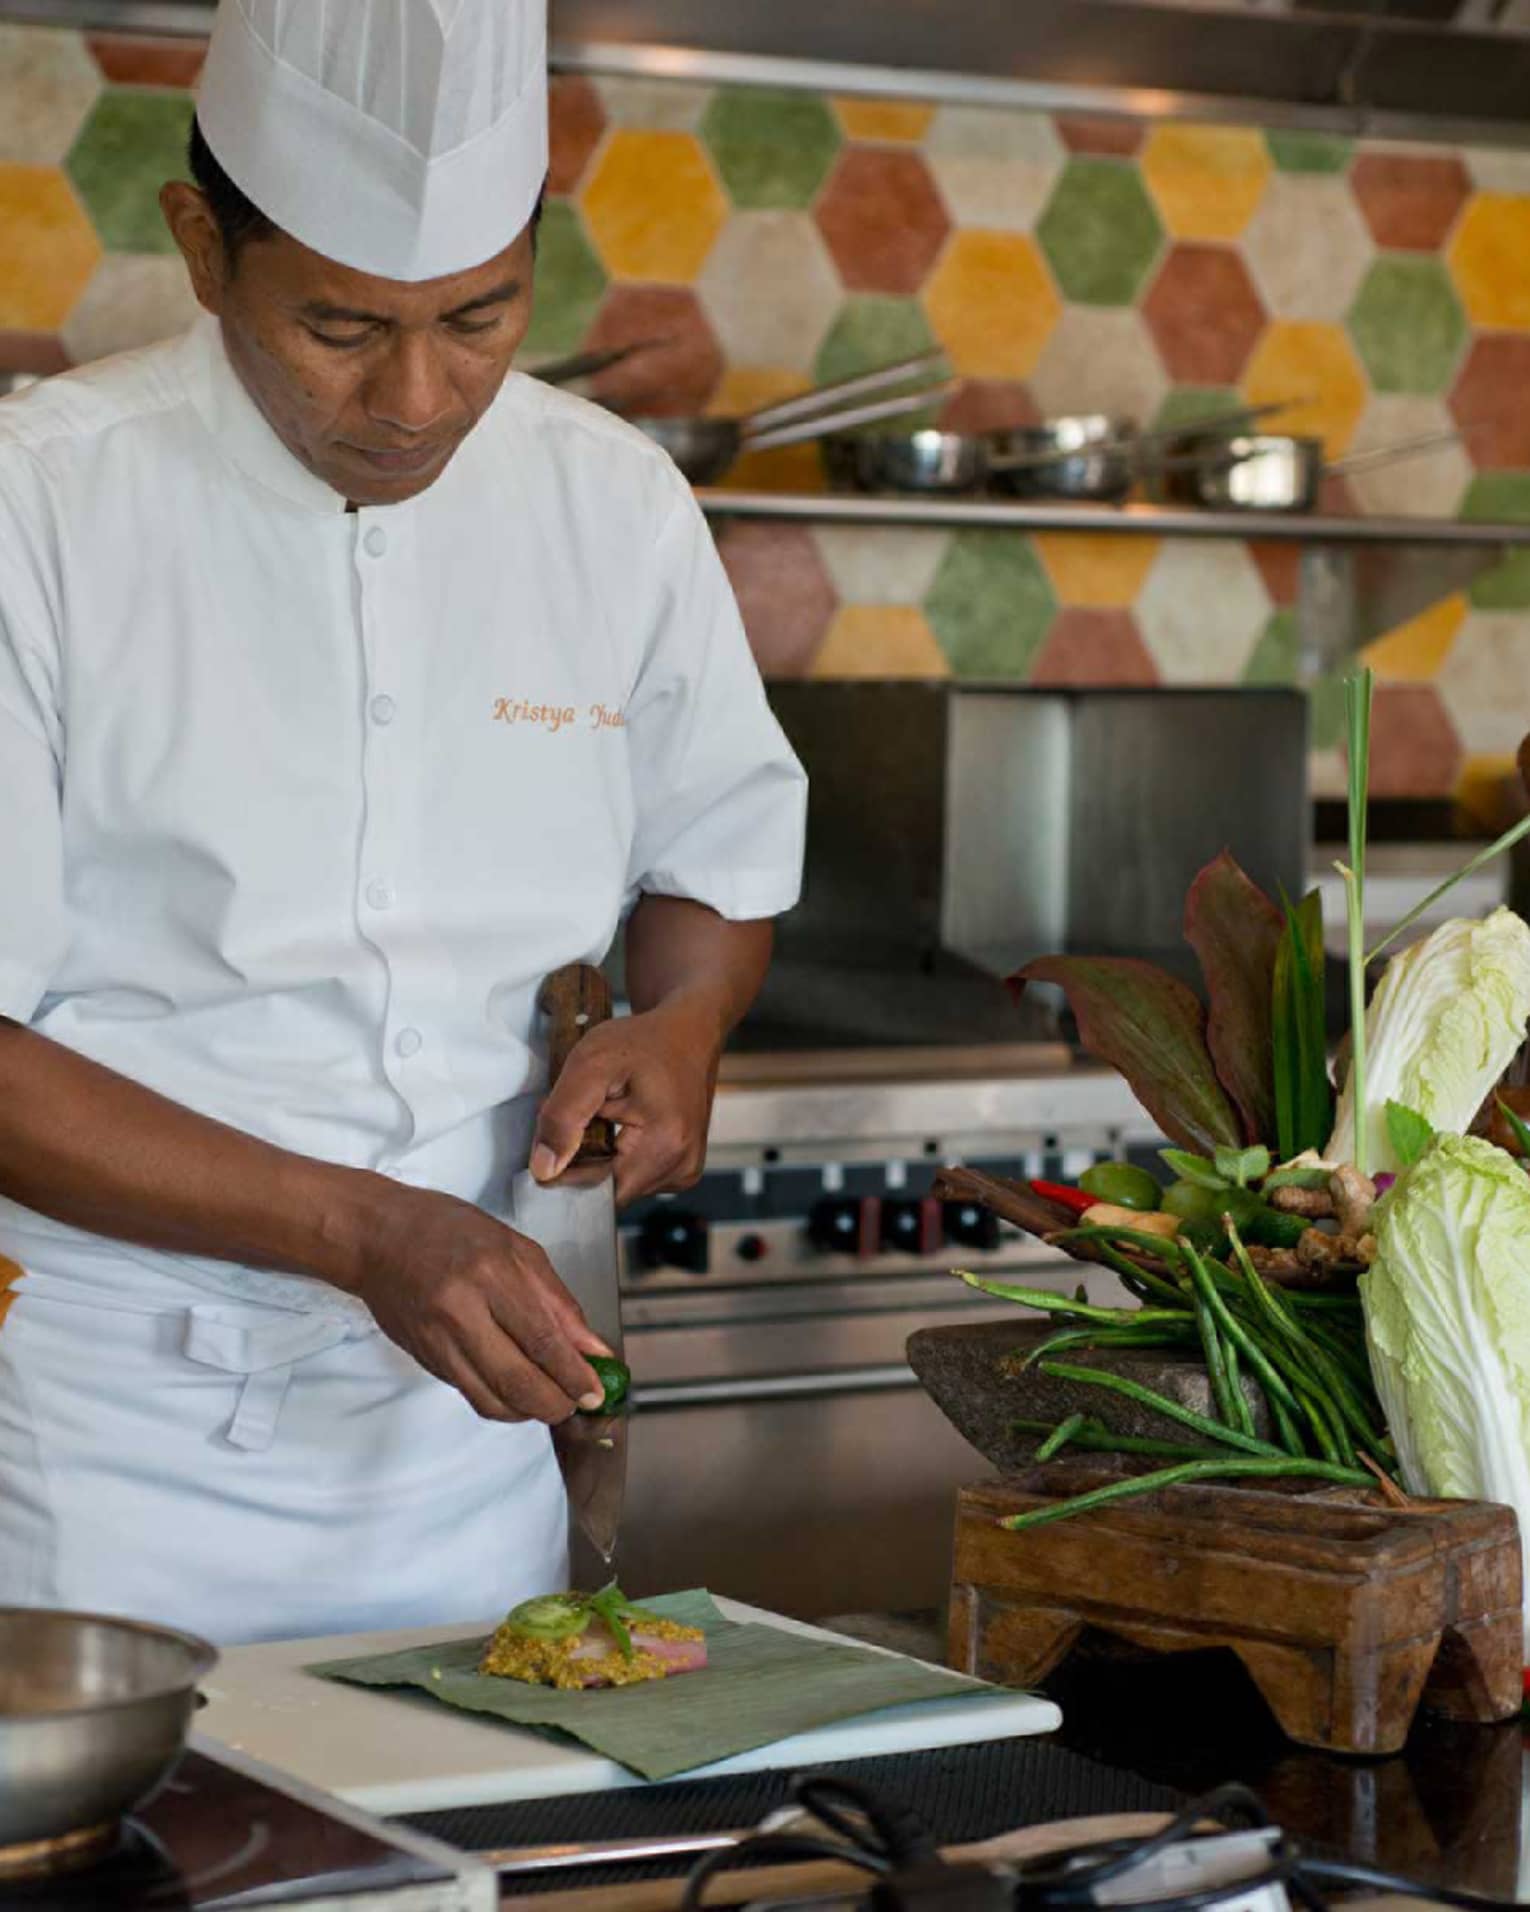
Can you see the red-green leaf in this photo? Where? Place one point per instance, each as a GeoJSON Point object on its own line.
{"type": "Point", "coordinates": [1141, 1021]}
{"type": "Point", "coordinates": [1235, 930]}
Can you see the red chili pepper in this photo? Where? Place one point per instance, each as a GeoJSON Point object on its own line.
{"type": "Point", "coordinates": [1076, 1200]}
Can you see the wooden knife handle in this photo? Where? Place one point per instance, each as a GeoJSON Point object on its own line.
{"type": "Point", "coordinates": [575, 1000]}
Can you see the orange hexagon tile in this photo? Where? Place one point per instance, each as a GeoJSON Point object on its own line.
{"type": "Point", "coordinates": [1488, 791]}
{"type": "Point", "coordinates": [653, 206]}
{"type": "Point", "coordinates": [884, 122]}
{"type": "Point", "coordinates": [880, 640]}
{"type": "Point", "coordinates": [1490, 257]}
{"type": "Point", "coordinates": [48, 248]}
{"type": "Point", "coordinates": [1316, 364]}
{"type": "Point", "coordinates": [992, 304]}
{"type": "Point", "coordinates": [1414, 652]}
{"type": "Point", "coordinates": [744, 389]}
{"type": "Point", "coordinates": [1207, 180]}
{"type": "Point", "coordinates": [1096, 571]}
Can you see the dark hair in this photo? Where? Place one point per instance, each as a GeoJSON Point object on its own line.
{"type": "Point", "coordinates": [239, 218]}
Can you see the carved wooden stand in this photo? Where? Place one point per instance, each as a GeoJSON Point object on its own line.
{"type": "Point", "coordinates": [1346, 1615]}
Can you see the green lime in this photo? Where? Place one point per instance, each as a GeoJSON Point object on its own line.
{"type": "Point", "coordinates": [615, 1378]}
{"type": "Point", "coordinates": [1192, 1203]}
{"type": "Point", "coordinates": [1122, 1183]}
{"type": "Point", "coordinates": [552, 1616]}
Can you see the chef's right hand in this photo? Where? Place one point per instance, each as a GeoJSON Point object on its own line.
{"type": "Point", "coordinates": [477, 1305]}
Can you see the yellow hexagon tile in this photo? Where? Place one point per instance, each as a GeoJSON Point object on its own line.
{"type": "Point", "coordinates": [1490, 257]}
{"type": "Point", "coordinates": [1099, 571]}
{"type": "Point", "coordinates": [992, 304]}
{"type": "Point", "coordinates": [1207, 180]}
{"type": "Point", "coordinates": [653, 206]}
{"type": "Point", "coordinates": [48, 248]}
{"type": "Point", "coordinates": [1414, 652]}
{"type": "Point", "coordinates": [883, 121]}
{"type": "Point", "coordinates": [880, 640]}
{"type": "Point", "coordinates": [1317, 365]}
{"type": "Point", "coordinates": [744, 389]}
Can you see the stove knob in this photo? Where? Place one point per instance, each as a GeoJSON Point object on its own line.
{"type": "Point", "coordinates": [844, 1225]}
{"type": "Point", "coordinates": [675, 1238]}
{"type": "Point", "coordinates": [912, 1226]}
{"type": "Point", "coordinates": [751, 1248]}
{"type": "Point", "coordinates": [970, 1225]}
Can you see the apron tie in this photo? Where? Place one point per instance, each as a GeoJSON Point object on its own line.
{"type": "Point", "coordinates": [264, 1346]}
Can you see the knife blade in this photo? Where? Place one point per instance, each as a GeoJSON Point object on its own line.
{"type": "Point", "coordinates": [574, 1221]}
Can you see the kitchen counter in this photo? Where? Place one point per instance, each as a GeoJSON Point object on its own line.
{"type": "Point", "coordinates": [1448, 1809]}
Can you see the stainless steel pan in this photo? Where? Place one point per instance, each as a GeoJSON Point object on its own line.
{"type": "Point", "coordinates": [704, 448]}
{"type": "Point", "coordinates": [1271, 471]}
{"type": "Point", "coordinates": [93, 1715]}
{"type": "Point", "coordinates": [1089, 458]}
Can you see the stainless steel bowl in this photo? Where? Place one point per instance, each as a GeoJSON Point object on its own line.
{"type": "Point", "coordinates": [1090, 458]}
{"type": "Point", "coordinates": [927, 463]}
{"type": "Point", "coordinates": [93, 1715]}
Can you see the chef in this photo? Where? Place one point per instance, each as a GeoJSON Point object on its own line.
{"type": "Point", "coordinates": [350, 684]}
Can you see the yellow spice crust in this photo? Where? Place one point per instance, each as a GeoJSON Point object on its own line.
{"type": "Point", "coordinates": [511, 1656]}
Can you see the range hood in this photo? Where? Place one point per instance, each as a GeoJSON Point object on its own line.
{"type": "Point", "coordinates": [1411, 69]}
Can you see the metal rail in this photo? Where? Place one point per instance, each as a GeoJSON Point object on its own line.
{"type": "Point", "coordinates": [1157, 521]}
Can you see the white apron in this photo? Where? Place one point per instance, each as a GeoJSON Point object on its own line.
{"type": "Point", "coordinates": [248, 1472]}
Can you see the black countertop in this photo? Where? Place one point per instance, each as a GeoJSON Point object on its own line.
{"type": "Point", "coordinates": [1452, 1808]}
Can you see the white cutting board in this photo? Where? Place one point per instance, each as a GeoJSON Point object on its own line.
{"type": "Point", "coordinates": [391, 1751]}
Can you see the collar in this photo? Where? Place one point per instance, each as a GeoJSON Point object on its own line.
{"type": "Point", "coordinates": [238, 427]}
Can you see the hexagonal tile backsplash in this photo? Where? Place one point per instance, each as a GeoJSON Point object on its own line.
{"type": "Point", "coordinates": [768, 239]}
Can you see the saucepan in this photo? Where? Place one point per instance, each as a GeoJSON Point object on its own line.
{"type": "Point", "coordinates": [1271, 471]}
{"type": "Point", "coordinates": [704, 448]}
{"type": "Point", "coordinates": [93, 1716]}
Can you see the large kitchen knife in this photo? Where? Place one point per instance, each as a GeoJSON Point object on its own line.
{"type": "Point", "coordinates": [574, 1221]}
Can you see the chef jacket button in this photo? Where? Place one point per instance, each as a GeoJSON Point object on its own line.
{"type": "Point", "coordinates": [376, 541]}
{"type": "Point", "coordinates": [380, 895]}
{"type": "Point", "coordinates": [383, 709]}
{"type": "Point", "coordinates": [409, 1042]}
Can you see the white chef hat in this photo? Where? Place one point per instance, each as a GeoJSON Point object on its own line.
{"type": "Point", "coordinates": [406, 138]}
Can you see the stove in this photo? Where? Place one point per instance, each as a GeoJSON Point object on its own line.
{"type": "Point", "coordinates": [224, 1831]}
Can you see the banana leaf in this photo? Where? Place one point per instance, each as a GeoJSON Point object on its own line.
{"type": "Point", "coordinates": [1142, 1022]}
{"type": "Point", "coordinates": [1303, 1094]}
{"type": "Point", "coordinates": [1235, 931]}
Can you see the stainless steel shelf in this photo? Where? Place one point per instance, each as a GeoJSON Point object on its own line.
{"type": "Point", "coordinates": [1142, 520]}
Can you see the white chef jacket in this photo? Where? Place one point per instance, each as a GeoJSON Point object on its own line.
{"type": "Point", "coordinates": [298, 807]}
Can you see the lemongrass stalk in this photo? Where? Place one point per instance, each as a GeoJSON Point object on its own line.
{"type": "Point", "coordinates": [1358, 693]}
{"type": "Point", "coordinates": [1495, 849]}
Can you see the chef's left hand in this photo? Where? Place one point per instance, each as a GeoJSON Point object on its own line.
{"type": "Point", "coordinates": [653, 1074]}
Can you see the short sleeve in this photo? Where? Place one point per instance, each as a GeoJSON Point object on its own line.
{"type": "Point", "coordinates": [721, 801]}
{"type": "Point", "coordinates": [33, 912]}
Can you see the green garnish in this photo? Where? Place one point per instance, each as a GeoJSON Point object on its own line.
{"type": "Point", "coordinates": [562, 1616]}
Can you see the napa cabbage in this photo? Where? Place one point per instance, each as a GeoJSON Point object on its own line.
{"type": "Point", "coordinates": [1444, 1024]}
{"type": "Point", "coordinates": [1447, 1316]}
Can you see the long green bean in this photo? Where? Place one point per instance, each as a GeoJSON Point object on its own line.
{"type": "Point", "coordinates": [1277, 1393]}
{"type": "Point", "coordinates": [1283, 1467]}
{"type": "Point", "coordinates": [1160, 1404]}
{"type": "Point", "coordinates": [1241, 1409]}
{"type": "Point", "coordinates": [1334, 1390]}
{"type": "Point", "coordinates": [1060, 1436]}
{"type": "Point", "coordinates": [1216, 1366]}
{"type": "Point", "coordinates": [1096, 1438]}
